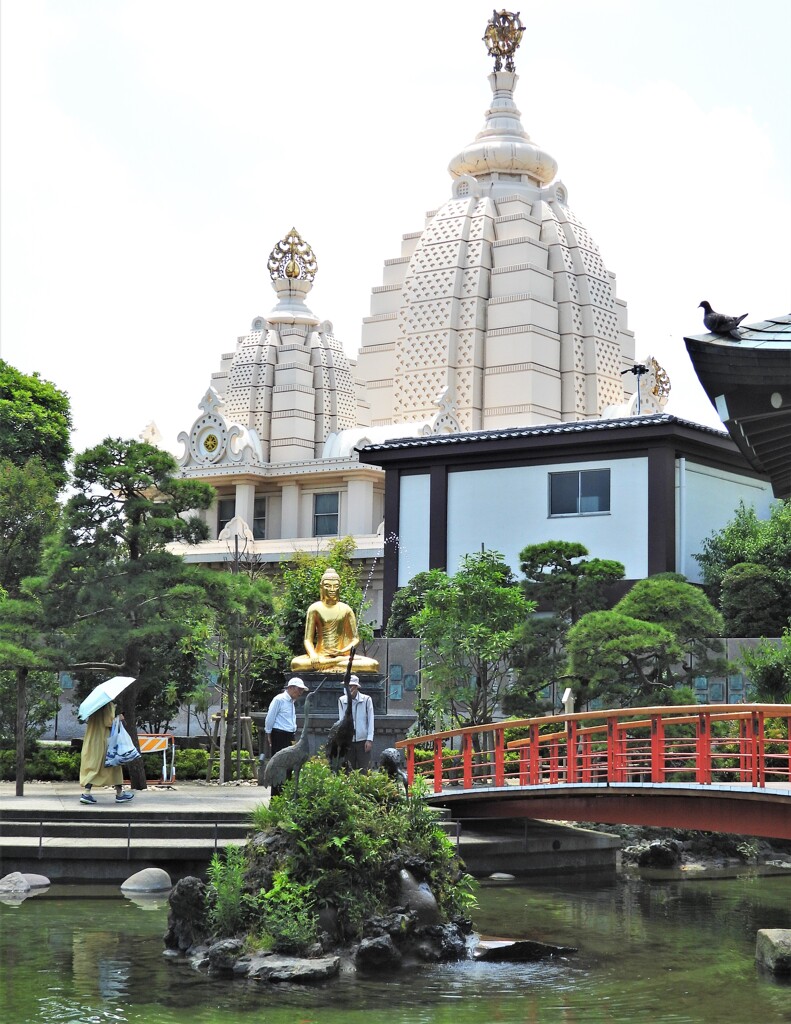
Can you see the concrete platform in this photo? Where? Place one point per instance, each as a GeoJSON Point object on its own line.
{"type": "Point", "coordinates": [177, 829]}
{"type": "Point", "coordinates": [48, 831]}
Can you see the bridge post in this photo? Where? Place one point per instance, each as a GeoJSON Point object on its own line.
{"type": "Point", "coordinates": [703, 771]}
{"type": "Point", "coordinates": [760, 750]}
{"type": "Point", "coordinates": [466, 755]}
{"type": "Point", "coordinates": [499, 758]}
{"type": "Point", "coordinates": [745, 748]}
{"type": "Point", "coordinates": [571, 751]}
{"type": "Point", "coordinates": [614, 768]}
{"type": "Point", "coordinates": [535, 756]}
{"type": "Point", "coordinates": [657, 749]}
{"type": "Point", "coordinates": [410, 765]}
{"type": "Point", "coordinates": [437, 766]}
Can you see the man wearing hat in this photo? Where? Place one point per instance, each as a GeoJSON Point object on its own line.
{"type": "Point", "coordinates": [281, 719]}
{"type": "Point", "coordinates": [359, 754]}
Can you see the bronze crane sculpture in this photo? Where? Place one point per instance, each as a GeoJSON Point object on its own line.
{"type": "Point", "coordinates": [290, 760]}
{"type": "Point", "coordinates": [391, 761]}
{"type": "Point", "coordinates": [341, 734]}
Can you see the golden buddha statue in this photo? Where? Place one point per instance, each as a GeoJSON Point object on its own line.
{"type": "Point", "coordinates": [330, 633]}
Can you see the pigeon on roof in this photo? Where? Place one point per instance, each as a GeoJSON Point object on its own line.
{"type": "Point", "coordinates": [719, 323]}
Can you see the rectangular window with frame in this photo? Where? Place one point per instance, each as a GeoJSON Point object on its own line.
{"type": "Point", "coordinates": [259, 519]}
{"type": "Point", "coordinates": [226, 510]}
{"type": "Point", "coordinates": [325, 515]}
{"type": "Point", "coordinates": [579, 493]}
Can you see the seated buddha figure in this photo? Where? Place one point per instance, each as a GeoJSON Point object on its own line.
{"type": "Point", "coordinates": [330, 633]}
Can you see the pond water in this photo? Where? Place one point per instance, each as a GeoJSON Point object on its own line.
{"type": "Point", "coordinates": [664, 952]}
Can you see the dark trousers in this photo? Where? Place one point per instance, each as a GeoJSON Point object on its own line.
{"type": "Point", "coordinates": [357, 756]}
{"type": "Point", "coordinates": [280, 740]}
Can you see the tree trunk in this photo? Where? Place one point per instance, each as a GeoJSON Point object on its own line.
{"type": "Point", "coordinates": [231, 716]}
{"type": "Point", "coordinates": [21, 715]}
{"type": "Point", "coordinates": [127, 706]}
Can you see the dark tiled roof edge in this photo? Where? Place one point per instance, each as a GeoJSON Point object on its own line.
{"type": "Point", "coordinates": [577, 427]}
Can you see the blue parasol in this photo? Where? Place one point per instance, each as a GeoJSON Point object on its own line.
{"type": "Point", "coordinates": [103, 694]}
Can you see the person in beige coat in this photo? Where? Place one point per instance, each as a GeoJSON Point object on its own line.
{"type": "Point", "coordinates": [94, 751]}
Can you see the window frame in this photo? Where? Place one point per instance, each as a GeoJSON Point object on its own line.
{"type": "Point", "coordinates": [258, 502]}
{"type": "Point", "coordinates": [224, 500]}
{"type": "Point", "coordinates": [326, 516]}
{"type": "Point", "coordinates": [579, 473]}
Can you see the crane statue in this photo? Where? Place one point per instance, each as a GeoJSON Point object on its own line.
{"type": "Point", "coordinates": [290, 760]}
{"type": "Point", "coordinates": [341, 734]}
{"type": "Point", "coordinates": [391, 761]}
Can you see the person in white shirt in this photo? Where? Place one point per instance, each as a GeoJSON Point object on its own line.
{"type": "Point", "coordinates": [359, 754]}
{"type": "Point", "coordinates": [281, 719]}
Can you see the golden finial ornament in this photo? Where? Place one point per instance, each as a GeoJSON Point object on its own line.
{"type": "Point", "coordinates": [661, 387]}
{"type": "Point", "coordinates": [503, 35]}
{"type": "Point", "coordinates": [292, 258]}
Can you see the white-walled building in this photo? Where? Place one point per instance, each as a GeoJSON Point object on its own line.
{"type": "Point", "coordinates": [643, 490]}
{"type": "Point", "coordinates": [498, 316]}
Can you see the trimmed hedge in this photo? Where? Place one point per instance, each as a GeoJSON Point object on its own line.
{"type": "Point", "coordinates": [62, 764]}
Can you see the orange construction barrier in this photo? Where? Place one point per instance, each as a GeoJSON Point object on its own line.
{"type": "Point", "coordinates": [152, 743]}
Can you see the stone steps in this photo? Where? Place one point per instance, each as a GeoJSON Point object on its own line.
{"type": "Point", "coordinates": [108, 842]}
{"type": "Point", "coordinates": [121, 830]}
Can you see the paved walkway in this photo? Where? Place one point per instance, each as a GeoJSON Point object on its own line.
{"type": "Point", "coordinates": [184, 797]}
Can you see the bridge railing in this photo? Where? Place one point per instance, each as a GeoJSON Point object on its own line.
{"type": "Point", "coordinates": [747, 744]}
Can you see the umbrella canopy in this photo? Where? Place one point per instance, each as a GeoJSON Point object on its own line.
{"type": "Point", "coordinates": [103, 694]}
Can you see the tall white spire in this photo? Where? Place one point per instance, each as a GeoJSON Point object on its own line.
{"type": "Point", "coordinates": [502, 150]}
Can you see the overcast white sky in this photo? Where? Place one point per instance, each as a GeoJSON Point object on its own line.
{"type": "Point", "coordinates": [153, 151]}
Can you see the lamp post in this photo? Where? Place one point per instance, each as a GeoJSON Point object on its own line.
{"type": "Point", "coordinates": [237, 534]}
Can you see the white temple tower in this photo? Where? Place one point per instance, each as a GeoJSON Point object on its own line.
{"type": "Point", "coordinates": [501, 309]}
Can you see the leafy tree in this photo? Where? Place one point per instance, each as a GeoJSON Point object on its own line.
{"type": "Point", "coordinates": [121, 598]}
{"type": "Point", "coordinates": [34, 445]}
{"type": "Point", "coordinates": [35, 421]}
{"type": "Point", "coordinates": [468, 626]}
{"type": "Point", "coordinates": [615, 657]}
{"type": "Point", "coordinates": [760, 542]}
{"type": "Point", "coordinates": [769, 669]}
{"type": "Point", "coordinates": [560, 576]}
{"type": "Point", "coordinates": [26, 660]}
{"type": "Point", "coordinates": [28, 513]}
{"type": "Point", "coordinates": [298, 588]}
{"type": "Point", "coordinates": [237, 633]}
{"type": "Point", "coordinates": [638, 651]}
{"type": "Point", "coordinates": [755, 600]}
{"type": "Point", "coordinates": [407, 601]}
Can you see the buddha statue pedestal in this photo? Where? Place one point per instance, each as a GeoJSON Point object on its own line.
{"type": "Point", "coordinates": [324, 703]}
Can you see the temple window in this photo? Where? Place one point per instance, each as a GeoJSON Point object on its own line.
{"type": "Point", "coordinates": [582, 492]}
{"type": "Point", "coordinates": [325, 515]}
{"type": "Point", "coordinates": [226, 510]}
{"type": "Point", "coordinates": [259, 519]}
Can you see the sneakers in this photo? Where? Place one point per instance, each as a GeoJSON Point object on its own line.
{"type": "Point", "coordinates": [87, 798]}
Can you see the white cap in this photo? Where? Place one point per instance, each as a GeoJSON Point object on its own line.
{"type": "Point", "coordinates": [296, 681]}
{"type": "Point", "coordinates": [354, 681]}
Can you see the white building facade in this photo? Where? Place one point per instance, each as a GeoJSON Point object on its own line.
{"type": "Point", "coordinates": [499, 315]}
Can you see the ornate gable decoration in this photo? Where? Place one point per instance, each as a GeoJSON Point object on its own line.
{"type": "Point", "coordinates": [292, 258]}
{"type": "Point", "coordinates": [213, 441]}
{"type": "Point", "coordinates": [446, 421]}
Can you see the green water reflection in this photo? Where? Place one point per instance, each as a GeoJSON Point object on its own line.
{"type": "Point", "coordinates": [679, 952]}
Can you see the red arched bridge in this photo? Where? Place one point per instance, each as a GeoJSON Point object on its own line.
{"type": "Point", "coordinates": [715, 767]}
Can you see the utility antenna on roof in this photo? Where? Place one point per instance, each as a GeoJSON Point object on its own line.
{"type": "Point", "coordinates": [639, 370]}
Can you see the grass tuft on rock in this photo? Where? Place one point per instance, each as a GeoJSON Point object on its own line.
{"type": "Point", "coordinates": [318, 865]}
